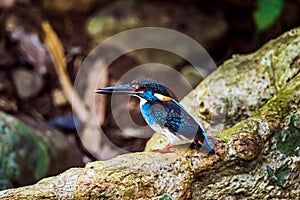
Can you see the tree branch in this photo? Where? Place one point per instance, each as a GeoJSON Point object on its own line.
{"type": "Point", "coordinates": [250, 161]}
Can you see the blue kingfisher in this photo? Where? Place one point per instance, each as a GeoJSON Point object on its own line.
{"type": "Point", "coordinates": [163, 114]}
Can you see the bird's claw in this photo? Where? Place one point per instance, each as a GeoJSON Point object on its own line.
{"type": "Point", "coordinates": [167, 149]}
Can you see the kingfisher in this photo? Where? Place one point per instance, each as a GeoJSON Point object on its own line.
{"type": "Point", "coordinates": [163, 113]}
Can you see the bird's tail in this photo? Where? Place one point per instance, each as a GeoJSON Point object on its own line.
{"type": "Point", "coordinates": [207, 145]}
{"type": "Point", "coordinates": [202, 139]}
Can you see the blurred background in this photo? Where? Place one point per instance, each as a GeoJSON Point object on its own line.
{"type": "Point", "coordinates": [43, 44]}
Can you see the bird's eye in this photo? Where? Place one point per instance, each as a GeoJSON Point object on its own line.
{"type": "Point", "coordinates": [142, 87]}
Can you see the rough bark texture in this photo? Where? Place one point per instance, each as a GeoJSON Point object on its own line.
{"type": "Point", "coordinates": [244, 83]}
{"type": "Point", "coordinates": [259, 157]}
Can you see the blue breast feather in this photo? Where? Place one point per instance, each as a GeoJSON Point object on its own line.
{"type": "Point", "coordinates": [173, 116]}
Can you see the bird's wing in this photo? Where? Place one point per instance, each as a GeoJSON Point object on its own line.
{"type": "Point", "coordinates": [172, 115]}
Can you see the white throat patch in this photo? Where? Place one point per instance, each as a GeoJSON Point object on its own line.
{"type": "Point", "coordinates": [162, 97]}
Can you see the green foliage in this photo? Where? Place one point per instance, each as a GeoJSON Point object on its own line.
{"type": "Point", "coordinates": [165, 197]}
{"type": "Point", "coordinates": [266, 13]}
{"type": "Point", "coordinates": [288, 139]}
{"type": "Point", "coordinates": [280, 175]}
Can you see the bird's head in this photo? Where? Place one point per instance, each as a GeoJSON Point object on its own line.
{"type": "Point", "coordinates": [147, 89]}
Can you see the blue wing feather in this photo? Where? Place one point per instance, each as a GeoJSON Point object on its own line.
{"type": "Point", "coordinates": [172, 115]}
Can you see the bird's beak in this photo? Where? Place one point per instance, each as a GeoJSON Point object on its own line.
{"type": "Point", "coordinates": [118, 89]}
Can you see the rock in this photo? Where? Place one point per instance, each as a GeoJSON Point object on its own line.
{"type": "Point", "coordinates": [7, 3]}
{"type": "Point", "coordinates": [123, 15]}
{"type": "Point", "coordinates": [26, 34]}
{"type": "Point", "coordinates": [28, 83]}
{"type": "Point", "coordinates": [27, 154]}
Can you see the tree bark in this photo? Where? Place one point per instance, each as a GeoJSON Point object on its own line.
{"type": "Point", "coordinates": [258, 157]}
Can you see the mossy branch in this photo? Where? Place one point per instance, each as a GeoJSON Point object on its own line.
{"type": "Point", "coordinates": [249, 162]}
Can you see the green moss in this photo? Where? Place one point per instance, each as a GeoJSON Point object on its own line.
{"type": "Point", "coordinates": [276, 108]}
{"type": "Point", "coordinates": [22, 153]}
{"type": "Point", "coordinates": [9, 169]}
{"type": "Point", "coordinates": [36, 151]}
{"type": "Point", "coordinates": [288, 139]}
{"type": "Point", "coordinates": [249, 126]}
{"type": "Point", "coordinates": [95, 165]}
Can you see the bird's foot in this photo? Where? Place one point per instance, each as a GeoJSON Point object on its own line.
{"type": "Point", "coordinates": [167, 149]}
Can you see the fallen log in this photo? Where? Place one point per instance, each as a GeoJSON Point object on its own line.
{"type": "Point", "coordinates": [258, 157]}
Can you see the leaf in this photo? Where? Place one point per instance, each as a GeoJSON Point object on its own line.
{"type": "Point", "coordinates": [288, 138]}
{"type": "Point", "coordinates": [280, 175]}
{"type": "Point", "coordinates": [165, 197]}
{"type": "Point", "coordinates": [266, 13]}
